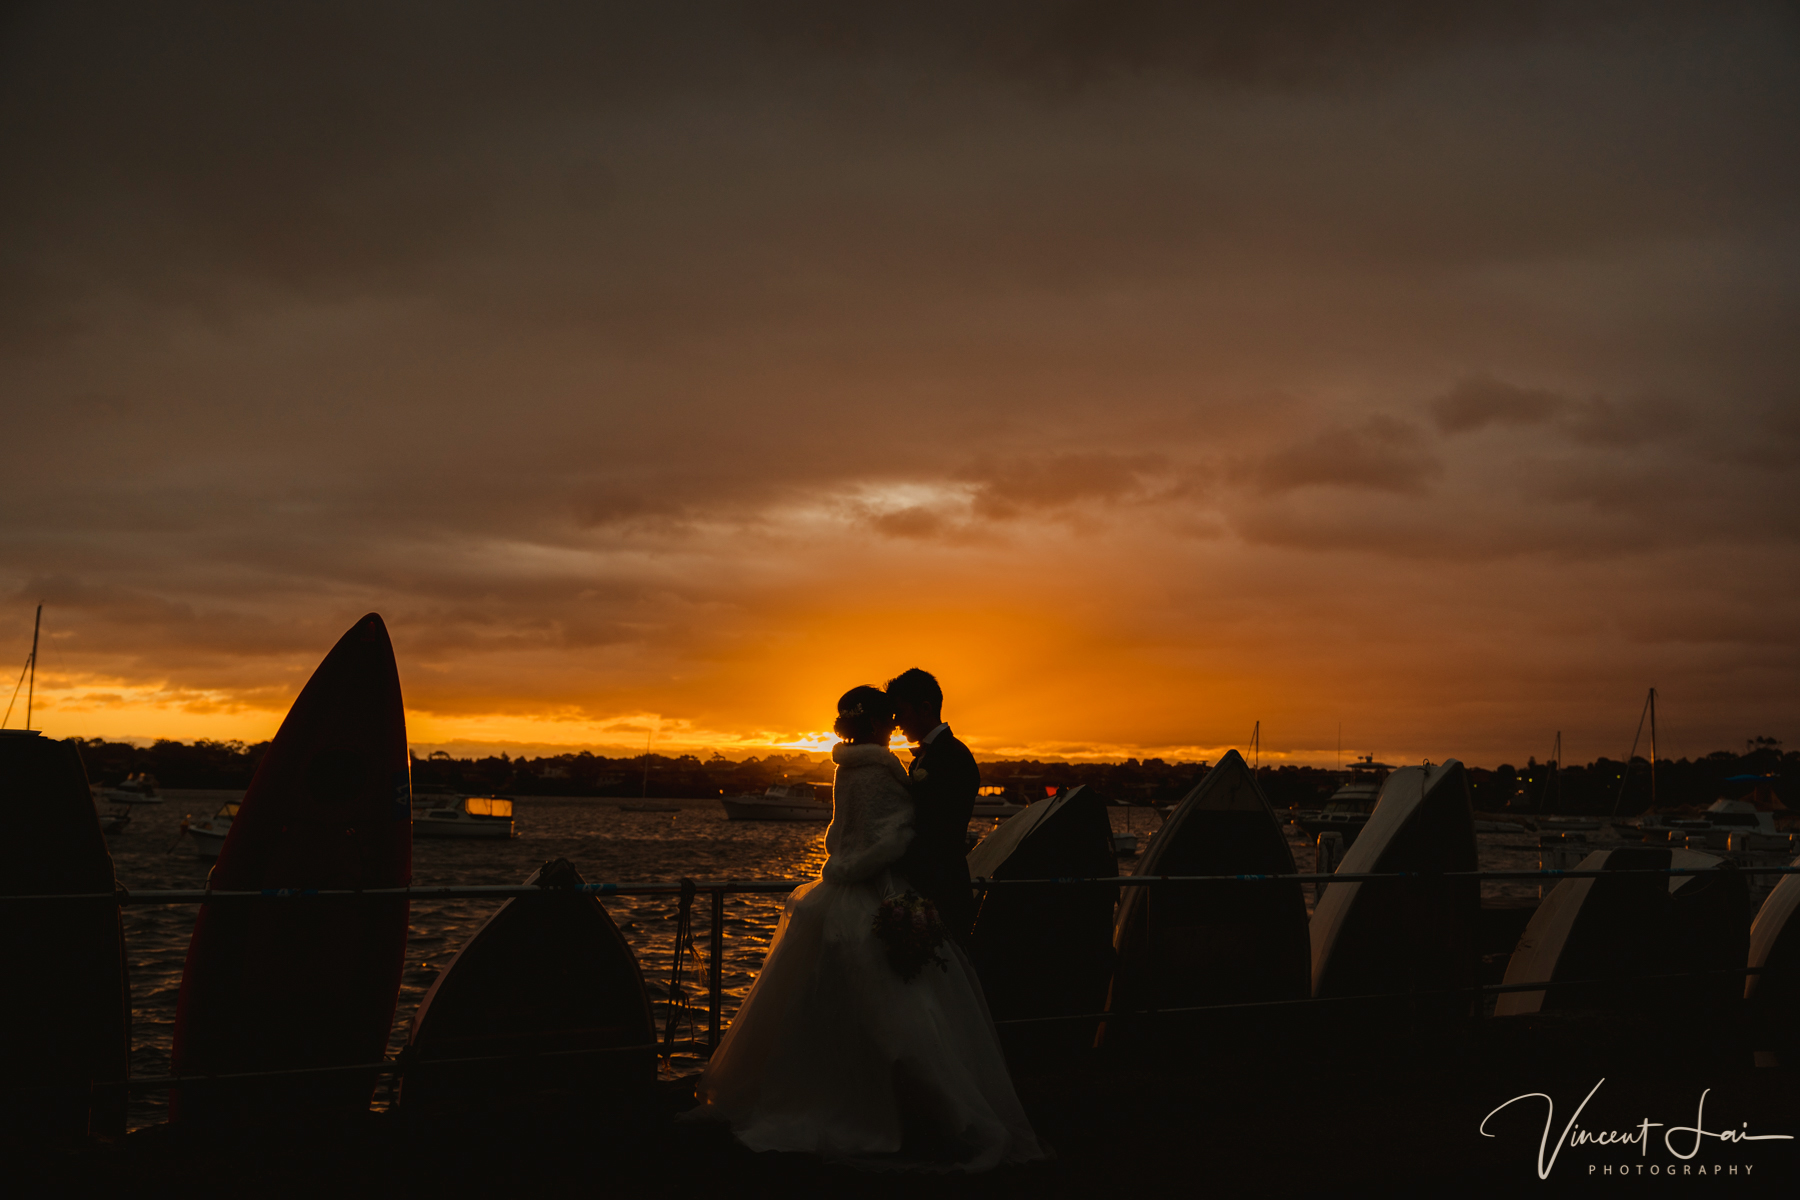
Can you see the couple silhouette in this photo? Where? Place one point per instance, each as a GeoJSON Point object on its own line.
{"type": "Point", "coordinates": [835, 1051]}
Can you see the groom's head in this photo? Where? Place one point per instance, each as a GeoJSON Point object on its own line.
{"type": "Point", "coordinates": [918, 702]}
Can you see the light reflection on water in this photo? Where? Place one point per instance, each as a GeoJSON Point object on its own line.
{"type": "Point", "coordinates": [605, 844]}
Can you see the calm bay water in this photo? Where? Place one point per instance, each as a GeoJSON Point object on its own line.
{"type": "Point", "coordinates": [605, 844]}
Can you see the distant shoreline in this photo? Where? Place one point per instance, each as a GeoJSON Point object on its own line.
{"type": "Point", "coordinates": [1589, 788]}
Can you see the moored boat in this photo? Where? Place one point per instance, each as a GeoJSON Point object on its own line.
{"type": "Point", "coordinates": [782, 802]}
{"type": "Point", "coordinates": [1348, 809]}
{"type": "Point", "coordinates": [115, 822]}
{"type": "Point", "coordinates": [208, 835]}
{"type": "Point", "coordinates": [466, 817]}
{"type": "Point", "coordinates": [1722, 820]}
{"type": "Point", "coordinates": [996, 801]}
{"type": "Point", "coordinates": [133, 789]}
{"type": "Point", "coordinates": [1568, 824]}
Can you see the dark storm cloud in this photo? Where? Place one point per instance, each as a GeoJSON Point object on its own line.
{"type": "Point", "coordinates": [1477, 403]}
{"type": "Point", "coordinates": [1598, 421]}
{"type": "Point", "coordinates": [610, 339]}
{"type": "Point", "coordinates": [336, 149]}
{"type": "Point", "coordinates": [1380, 454]}
{"type": "Point", "coordinates": [1602, 422]}
{"type": "Point", "coordinates": [1004, 491]}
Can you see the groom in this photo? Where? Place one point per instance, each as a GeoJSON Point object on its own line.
{"type": "Point", "coordinates": [944, 782]}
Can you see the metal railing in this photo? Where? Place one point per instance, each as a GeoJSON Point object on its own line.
{"type": "Point", "coordinates": [688, 890]}
{"type": "Point", "coordinates": [711, 969]}
{"type": "Point", "coordinates": [502, 891]}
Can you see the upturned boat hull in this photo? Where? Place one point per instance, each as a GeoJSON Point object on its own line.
{"type": "Point", "coordinates": [1046, 951]}
{"type": "Point", "coordinates": [1396, 937]}
{"type": "Point", "coordinates": [66, 1005]}
{"type": "Point", "coordinates": [546, 975]}
{"type": "Point", "coordinates": [1186, 945]}
{"type": "Point", "coordinates": [1666, 946]}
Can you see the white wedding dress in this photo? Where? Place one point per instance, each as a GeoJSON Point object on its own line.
{"type": "Point", "coordinates": [832, 1053]}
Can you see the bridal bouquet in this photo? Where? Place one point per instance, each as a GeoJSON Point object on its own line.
{"type": "Point", "coordinates": [910, 927]}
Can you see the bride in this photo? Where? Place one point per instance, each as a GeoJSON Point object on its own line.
{"type": "Point", "coordinates": [833, 1053]}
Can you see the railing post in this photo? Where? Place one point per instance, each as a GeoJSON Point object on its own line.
{"type": "Point", "coordinates": [677, 996]}
{"type": "Point", "coordinates": [716, 959]}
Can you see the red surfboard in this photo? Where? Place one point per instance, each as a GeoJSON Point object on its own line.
{"type": "Point", "coordinates": [306, 982]}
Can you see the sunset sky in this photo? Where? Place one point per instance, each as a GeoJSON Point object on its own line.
{"type": "Point", "coordinates": [1144, 374]}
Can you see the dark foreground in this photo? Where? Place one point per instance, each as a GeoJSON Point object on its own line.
{"type": "Point", "coordinates": [1304, 1114]}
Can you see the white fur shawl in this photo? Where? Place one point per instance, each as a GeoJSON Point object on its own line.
{"type": "Point", "coordinates": [871, 813]}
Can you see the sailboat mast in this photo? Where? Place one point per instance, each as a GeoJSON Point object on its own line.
{"type": "Point", "coordinates": [1649, 711]}
{"type": "Point", "coordinates": [1554, 781]}
{"type": "Point", "coordinates": [644, 792]}
{"type": "Point", "coordinates": [31, 689]}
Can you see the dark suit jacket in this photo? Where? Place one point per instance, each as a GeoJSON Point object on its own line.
{"type": "Point", "coordinates": [945, 781]}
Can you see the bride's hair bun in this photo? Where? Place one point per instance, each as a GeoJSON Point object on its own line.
{"type": "Point", "coordinates": [859, 711]}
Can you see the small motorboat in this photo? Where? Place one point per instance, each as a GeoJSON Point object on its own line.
{"type": "Point", "coordinates": [118, 819]}
{"type": "Point", "coordinates": [135, 789]}
{"type": "Point", "coordinates": [209, 835]}
{"type": "Point", "coordinates": [1348, 809]}
{"type": "Point", "coordinates": [994, 802]}
{"type": "Point", "coordinates": [1722, 820]}
{"type": "Point", "coordinates": [469, 817]}
{"type": "Point", "coordinates": [1568, 824]}
{"type": "Point", "coordinates": [782, 802]}
{"type": "Point", "coordinates": [115, 822]}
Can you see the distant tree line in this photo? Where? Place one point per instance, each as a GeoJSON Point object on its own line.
{"type": "Point", "coordinates": [201, 764]}
{"type": "Point", "coordinates": [1536, 787]}
{"type": "Point", "coordinates": [584, 774]}
{"type": "Point", "coordinates": [1607, 785]}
